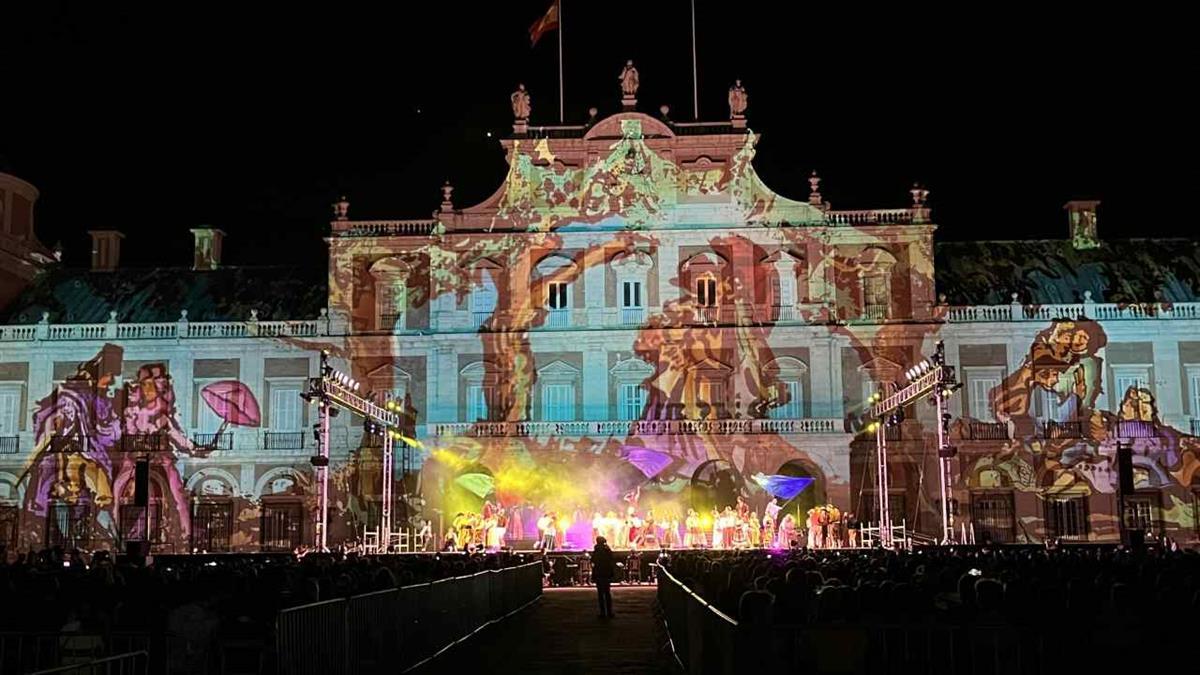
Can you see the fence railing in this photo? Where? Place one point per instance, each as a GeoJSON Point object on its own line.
{"type": "Point", "coordinates": [53, 651]}
{"type": "Point", "coordinates": [10, 445]}
{"type": "Point", "coordinates": [283, 440]}
{"type": "Point", "coordinates": [391, 630]}
{"type": "Point", "coordinates": [704, 639]}
{"type": "Point", "coordinates": [131, 663]}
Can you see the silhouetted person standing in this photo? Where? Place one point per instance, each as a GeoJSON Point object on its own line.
{"type": "Point", "coordinates": [603, 571]}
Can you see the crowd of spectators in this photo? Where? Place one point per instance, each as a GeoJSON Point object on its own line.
{"type": "Point", "coordinates": [1101, 598]}
{"type": "Point", "coordinates": [198, 601]}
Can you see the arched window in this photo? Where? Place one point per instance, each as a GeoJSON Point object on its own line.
{"type": "Point", "coordinates": [484, 291]}
{"type": "Point", "coordinates": [875, 279]}
{"type": "Point", "coordinates": [790, 374]}
{"type": "Point", "coordinates": [479, 387]}
{"type": "Point", "coordinates": [783, 271]}
{"type": "Point", "coordinates": [391, 293]}
{"type": "Point", "coordinates": [703, 274]}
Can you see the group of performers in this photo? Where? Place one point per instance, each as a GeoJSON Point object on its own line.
{"type": "Point", "coordinates": [479, 531]}
{"type": "Point", "coordinates": [733, 527]}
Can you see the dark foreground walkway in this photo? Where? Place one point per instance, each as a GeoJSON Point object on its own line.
{"type": "Point", "coordinates": [562, 633]}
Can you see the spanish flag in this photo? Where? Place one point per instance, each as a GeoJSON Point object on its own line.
{"type": "Point", "coordinates": [545, 24]}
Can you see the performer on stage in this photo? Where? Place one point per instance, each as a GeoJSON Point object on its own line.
{"type": "Point", "coordinates": [718, 532]}
{"type": "Point", "coordinates": [648, 536]}
{"type": "Point", "coordinates": [743, 509]}
{"type": "Point", "coordinates": [546, 528]}
{"type": "Point", "coordinates": [451, 541]}
{"type": "Point", "coordinates": [692, 536]}
{"type": "Point", "coordinates": [768, 529]}
{"type": "Point", "coordinates": [670, 538]}
{"type": "Point", "coordinates": [787, 531]}
{"type": "Point", "coordinates": [729, 523]}
{"type": "Point", "coordinates": [755, 530]}
{"type": "Point", "coordinates": [633, 528]}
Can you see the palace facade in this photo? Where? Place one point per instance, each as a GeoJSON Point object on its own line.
{"type": "Point", "coordinates": [632, 290]}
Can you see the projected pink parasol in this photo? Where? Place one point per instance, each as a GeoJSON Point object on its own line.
{"type": "Point", "coordinates": [233, 402]}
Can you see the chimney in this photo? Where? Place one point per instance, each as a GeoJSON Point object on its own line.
{"type": "Point", "coordinates": [106, 250]}
{"type": "Point", "coordinates": [1081, 218]}
{"type": "Point", "coordinates": [208, 248]}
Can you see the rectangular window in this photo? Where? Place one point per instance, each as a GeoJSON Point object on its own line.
{"type": "Point", "coordinates": [10, 408]}
{"type": "Point", "coordinates": [1125, 377]}
{"type": "Point", "coordinates": [631, 294]}
{"type": "Point", "coordinates": [706, 292]}
{"type": "Point", "coordinates": [477, 398]}
{"type": "Point", "coordinates": [712, 393]}
{"type": "Point", "coordinates": [992, 515]}
{"type": "Point", "coordinates": [875, 297]}
{"type": "Point", "coordinates": [1193, 374]}
{"type": "Point", "coordinates": [558, 402]}
{"type": "Point", "coordinates": [794, 408]}
{"type": "Point", "coordinates": [1139, 513]}
{"type": "Point", "coordinates": [980, 384]}
{"type": "Point", "coordinates": [207, 420]}
{"type": "Point", "coordinates": [631, 401]}
{"type": "Point", "coordinates": [556, 295]}
{"type": "Point", "coordinates": [285, 408]}
{"type": "Point", "coordinates": [1066, 518]}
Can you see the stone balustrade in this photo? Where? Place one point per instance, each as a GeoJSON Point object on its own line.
{"type": "Point", "coordinates": [182, 329]}
{"type": "Point", "coordinates": [384, 228]}
{"type": "Point", "coordinates": [638, 427]}
{"type": "Point", "coordinates": [1100, 311]}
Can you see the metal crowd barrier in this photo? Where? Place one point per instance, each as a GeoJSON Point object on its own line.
{"type": "Point", "coordinates": [703, 637]}
{"type": "Point", "coordinates": [32, 652]}
{"type": "Point", "coordinates": [132, 663]}
{"type": "Point", "coordinates": [388, 631]}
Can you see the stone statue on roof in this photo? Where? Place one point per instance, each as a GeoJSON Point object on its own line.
{"type": "Point", "coordinates": [629, 80]}
{"type": "Point", "coordinates": [520, 103]}
{"type": "Point", "coordinates": [737, 99]}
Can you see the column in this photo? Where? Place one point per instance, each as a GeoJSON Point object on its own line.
{"type": "Point", "coordinates": [667, 264]}
{"type": "Point", "coordinates": [593, 293]}
{"type": "Point", "coordinates": [250, 372]}
{"type": "Point", "coordinates": [595, 382]}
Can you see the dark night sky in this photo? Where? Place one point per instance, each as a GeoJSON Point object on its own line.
{"type": "Point", "coordinates": [156, 120]}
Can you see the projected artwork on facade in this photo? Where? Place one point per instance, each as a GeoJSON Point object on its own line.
{"type": "Point", "coordinates": [633, 320]}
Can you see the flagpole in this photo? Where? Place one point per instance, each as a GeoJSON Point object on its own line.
{"type": "Point", "coordinates": [695, 80]}
{"type": "Point", "coordinates": [560, 63]}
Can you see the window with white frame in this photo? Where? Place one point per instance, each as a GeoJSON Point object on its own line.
{"type": "Point", "coordinates": [558, 402]}
{"type": "Point", "coordinates": [556, 384]}
{"type": "Point", "coordinates": [631, 270]}
{"type": "Point", "coordinates": [207, 420]}
{"type": "Point", "coordinates": [484, 295]}
{"type": "Point", "coordinates": [789, 373]}
{"type": "Point", "coordinates": [477, 402]}
{"type": "Point", "coordinates": [631, 401]}
{"type": "Point", "coordinates": [388, 383]}
{"type": "Point", "coordinates": [286, 412]}
{"type": "Point", "coordinates": [711, 379]}
{"type": "Point", "coordinates": [1126, 377]}
{"type": "Point", "coordinates": [981, 381]}
{"type": "Point", "coordinates": [876, 296]}
{"type": "Point", "coordinates": [706, 291]}
{"type": "Point", "coordinates": [1193, 379]}
{"type": "Point", "coordinates": [631, 294]}
{"type": "Point", "coordinates": [629, 377]}
{"type": "Point", "coordinates": [478, 384]}
{"type": "Point", "coordinates": [11, 394]}
{"type": "Point", "coordinates": [391, 293]}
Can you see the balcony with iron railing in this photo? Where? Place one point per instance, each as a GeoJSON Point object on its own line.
{"type": "Point", "coordinates": [221, 441]}
{"type": "Point", "coordinates": [985, 431]}
{"type": "Point", "coordinates": [278, 441]}
{"type": "Point", "coordinates": [148, 443]}
{"type": "Point", "coordinates": [10, 445]}
{"type": "Point", "coordinates": [391, 322]}
{"type": "Point", "coordinates": [1052, 429]}
{"type": "Point", "coordinates": [478, 319]}
{"type": "Point", "coordinates": [1195, 423]}
{"type": "Point", "coordinates": [558, 318]}
{"type": "Point", "coordinates": [1126, 429]}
